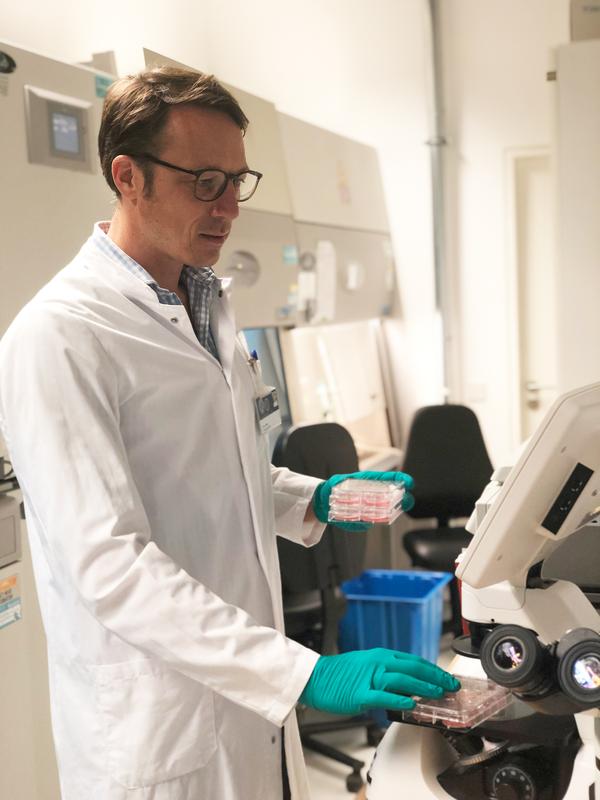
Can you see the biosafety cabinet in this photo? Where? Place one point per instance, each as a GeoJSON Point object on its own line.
{"type": "Point", "coordinates": [335, 357]}
{"type": "Point", "coordinates": [53, 190]}
{"type": "Point", "coordinates": [347, 268]}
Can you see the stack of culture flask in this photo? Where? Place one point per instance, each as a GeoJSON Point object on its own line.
{"type": "Point", "coordinates": [358, 500]}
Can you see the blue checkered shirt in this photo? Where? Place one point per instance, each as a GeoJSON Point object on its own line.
{"type": "Point", "coordinates": [201, 285]}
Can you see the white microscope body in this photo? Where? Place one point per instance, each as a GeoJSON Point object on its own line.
{"type": "Point", "coordinates": [523, 516]}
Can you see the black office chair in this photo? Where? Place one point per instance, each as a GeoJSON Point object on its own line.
{"type": "Point", "coordinates": [448, 459]}
{"type": "Point", "coordinates": [313, 602]}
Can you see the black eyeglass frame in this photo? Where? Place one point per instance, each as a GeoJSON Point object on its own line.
{"type": "Point", "coordinates": [197, 173]}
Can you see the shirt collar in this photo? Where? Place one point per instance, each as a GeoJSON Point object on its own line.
{"type": "Point", "coordinates": [204, 276]}
{"type": "Point", "coordinates": [103, 241]}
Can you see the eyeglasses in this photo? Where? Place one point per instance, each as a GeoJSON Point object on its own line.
{"type": "Point", "coordinates": [211, 183]}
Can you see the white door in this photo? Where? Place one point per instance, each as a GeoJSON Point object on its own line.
{"type": "Point", "coordinates": [536, 287]}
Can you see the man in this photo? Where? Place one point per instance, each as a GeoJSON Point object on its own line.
{"type": "Point", "coordinates": [128, 404]}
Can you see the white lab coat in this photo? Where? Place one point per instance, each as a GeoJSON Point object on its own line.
{"type": "Point", "coordinates": [151, 510]}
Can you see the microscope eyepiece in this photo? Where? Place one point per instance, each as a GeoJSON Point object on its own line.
{"type": "Point", "coordinates": [579, 666]}
{"type": "Point", "coordinates": [515, 658]}
{"type": "Point", "coordinates": [562, 677]}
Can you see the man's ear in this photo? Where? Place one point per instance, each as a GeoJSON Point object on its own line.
{"type": "Point", "coordinates": [128, 177]}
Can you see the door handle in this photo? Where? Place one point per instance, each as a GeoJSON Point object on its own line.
{"type": "Point", "coordinates": [535, 387]}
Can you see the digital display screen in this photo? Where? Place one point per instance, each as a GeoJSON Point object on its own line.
{"type": "Point", "coordinates": [65, 133]}
{"type": "Point", "coordinates": [567, 498]}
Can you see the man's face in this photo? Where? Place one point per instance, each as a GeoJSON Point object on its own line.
{"type": "Point", "coordinates": [176, 227]}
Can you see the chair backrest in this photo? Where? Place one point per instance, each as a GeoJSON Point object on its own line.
{"type": "Point", "coordinates": [447, 457]}
{"type": "Point", "coordinates": [321, 450]}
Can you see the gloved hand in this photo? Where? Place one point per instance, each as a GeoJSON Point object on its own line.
{"type": "Point", "coordinates": [350, 683]}
{"type": "Point", "coordinates": [320, 500]}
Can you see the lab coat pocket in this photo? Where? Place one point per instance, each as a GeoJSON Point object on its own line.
{"type": "Point", "coordinates": [157, 723]}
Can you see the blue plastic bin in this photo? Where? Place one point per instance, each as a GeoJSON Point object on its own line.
{"type": "Point", "coordinates": [399, 610]}
{"type": "Point", "coordinates": [395, 609]}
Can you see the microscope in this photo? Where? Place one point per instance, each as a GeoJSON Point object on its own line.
{"type": "Point", "coordinates": [537, 638]}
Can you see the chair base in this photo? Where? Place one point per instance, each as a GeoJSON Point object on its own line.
{"type": "Point", "coordinates": [354, 781]}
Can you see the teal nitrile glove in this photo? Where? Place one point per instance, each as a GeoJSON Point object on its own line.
{"type": "Point", "coordinates": [350, 683]}
{"type": "Point", "coordinates": [322, 494]}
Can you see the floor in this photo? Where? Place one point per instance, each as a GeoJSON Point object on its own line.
{"type": "Point", "coordinates": [327, 778]}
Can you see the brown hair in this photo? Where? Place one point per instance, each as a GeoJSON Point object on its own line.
{"type": "Point", "coordinates": [136, 107]}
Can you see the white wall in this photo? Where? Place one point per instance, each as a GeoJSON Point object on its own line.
{"type": "Point", "coordinates": [496, 55]}
{"type": "Point", "coordinates": [360, 68]}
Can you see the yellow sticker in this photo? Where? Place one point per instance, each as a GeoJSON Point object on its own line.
{"type": "Point", "coordinates": [10, 601]}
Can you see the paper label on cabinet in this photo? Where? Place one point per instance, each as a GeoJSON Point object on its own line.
{"type": "Point", "coordinates": [10, 601]}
